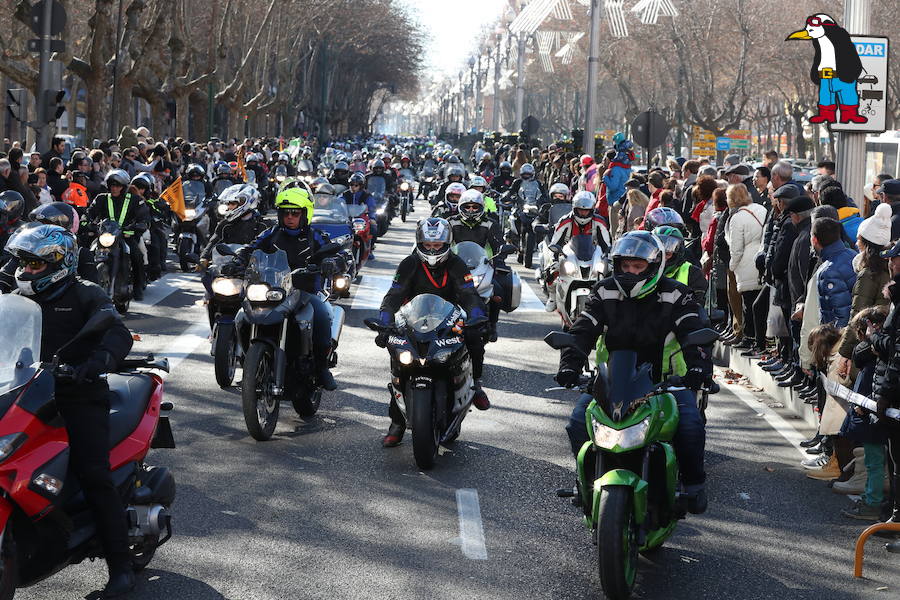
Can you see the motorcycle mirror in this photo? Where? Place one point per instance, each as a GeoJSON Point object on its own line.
{"type": "Point", "coordinates": [701, 337]}
{"type": "Point", "coordinates": [225, 250]}
{"type": "Point", "coordinates": [326, 249]}
{"type": "Point", "coordinates": [507, 249]}
{"type": "Point", "coordinates": [374, 324]}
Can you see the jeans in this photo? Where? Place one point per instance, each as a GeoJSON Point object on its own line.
{"type": "Point", "coordinates": [834, 91]}
{"type": "Point", "coordinates": [874, 460]}
{"type": "Point", "coordinates": [689, 441]}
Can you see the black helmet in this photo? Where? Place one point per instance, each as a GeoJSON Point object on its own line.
{"type": "Point", "coordinates": [194, 171]}
{"type": "Point", "coordinates": [325, 188]}
{"type": "Point", "coordinates": [357, 177]}
{"type": "Point", "coordinates": [142, 182]}
{"type": "Point", "coordinates": [505, 167]}
{"type": "Point", "coordinates": [378, 167]}
{"type": "Point", "coordinates": [56, 213]}
{"type": "Point", "coordinates": [117, 176]}
{"type": "Point", "coordinates": [12, 205]}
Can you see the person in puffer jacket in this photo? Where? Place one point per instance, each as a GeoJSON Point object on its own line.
{"type": "Point", "coordinates": [848, 214]}
{"type": "Point", "coordinates": [836, 276]}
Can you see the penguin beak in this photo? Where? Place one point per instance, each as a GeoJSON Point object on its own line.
{"type": "Point", "coordinates": [799, 35]}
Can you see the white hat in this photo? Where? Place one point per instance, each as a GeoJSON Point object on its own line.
{"type": "Point", "coordinates": [877, 228]}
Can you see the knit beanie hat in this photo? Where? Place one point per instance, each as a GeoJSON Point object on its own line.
{"type": "Point", "coordinates": [877, 228]}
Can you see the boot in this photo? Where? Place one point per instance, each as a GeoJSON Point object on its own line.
{"type": "Point", "coordinates": [850, 114]}
{"type": "Point", "coordinates": [827, 114]}
{"type": "Point", "coordinates": [828, 472]}
{"type": "Point", "coordinates": [697, 500]}
{"type": "Point", "coordinates": [326, 379]}
{"type": "Point", "coordinates": [856, 484]}
{"type": "Point", "coordinates": [480, 399]}
{"type": "Point", "coordinates": [121, 581]}
{"type": "Point", "coordinates": [550, 304]}
{"type": "Point", "coordinates": [394, 435]}
{"type": "Point", "coordinates": [813, 441]}
{"type": "Point", "coordinates": [843, 452]}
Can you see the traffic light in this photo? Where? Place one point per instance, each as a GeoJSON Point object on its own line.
{"type": "Point", "coordinates": [14, 99]}
{"type": "Point", "coordinates": [578, 140]}
{"type": "Point", "coordinates": [52, 104]}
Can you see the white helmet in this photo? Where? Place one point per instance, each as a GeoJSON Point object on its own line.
{"type": "Point", "coordinates": [454, 188]}
{"type": "Point", "coordinates": [583, 207]}
{"type": "Point", "coordinates": [477, 181]}
{"type": "Point", "coordinates": [471, 206]}
{"type": "Point", "coordinates": [559, 188]}
{"type": "Point", "coordinates": [433, 229]}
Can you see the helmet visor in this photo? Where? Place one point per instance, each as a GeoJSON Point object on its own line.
{"type": "Point", "coordinates": [635, 247]}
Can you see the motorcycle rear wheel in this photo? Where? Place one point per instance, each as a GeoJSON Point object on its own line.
{"type": "Point", "coordinates": [617, 547]}
{"type": "Point", "coordinates": [9, 563]}
{"type": "Point", "coordinates": [259, 403]}
{"type": "Point", "coordinates": [425, 431]}
{"type": "Point", "coordinates": [225, 349]}
{"type": "Point", "coordinates": [403, 211]}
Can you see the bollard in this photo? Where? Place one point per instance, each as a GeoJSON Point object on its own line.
{"type": "Point", "coordinates": [861, 543]}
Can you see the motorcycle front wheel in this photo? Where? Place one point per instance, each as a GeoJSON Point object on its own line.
{"type": "Point", "coordinates": [9, 563]}
{"type": "Point", "coordinates": [617, 547]}
{"type": "Point", "coordinates": [259, 402]}
{"type": "Point", "coordinates": [225, 350]}
{"type": "Point", "coordinates": [184, 248]}
{"type": "Point", "coordinates": [425, 431]}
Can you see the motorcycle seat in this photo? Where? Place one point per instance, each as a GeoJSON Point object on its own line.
{"type": "Point", "coordinates": [129, 397]}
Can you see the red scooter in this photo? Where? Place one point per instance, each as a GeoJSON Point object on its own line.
{"type": "Point", "coordinates": [45, 523]}
{"type": "Point", "coordinates": [362, 234]}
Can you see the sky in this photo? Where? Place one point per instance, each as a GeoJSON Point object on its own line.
{"type": "Point", "coordinates": [451, 27]}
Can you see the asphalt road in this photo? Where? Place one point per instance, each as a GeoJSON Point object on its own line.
{"type": "Point", "coordinates": [322, 511]}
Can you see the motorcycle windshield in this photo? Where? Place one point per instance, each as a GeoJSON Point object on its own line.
{"type": "Point", "coordinates": [251, 175]}
{"type": "Point", "coordinates": [220, 186]}
{"type": "Point", "coordinates": [305, 166]}
{"type": "Point", "coordinates": [357, 210]}
{"type": "Point", "coordinates": [471, 253]}
{"type": "Point", "coordinates": [375, 186]}
{"type": "Point", "coordinates": [220, 259]}
{"type": "Point", "coordinates": [407, 174]}
{"type": "Point", "coordinates": [425, 313]}
{"type": "Point", "coordinates": [558, 211]}
{"type": "Point", "coordinates": [280, 171]}
{"type": "Point", "coordinates": [627, 383]}
{"type": "Point", "coordinates": [583, 247]}
{"type": "Point", "coordinates": [194, 193]}
{"type": "Point", "coordinates": [20, 330]}
{"type": "Point", "coordinates": [329, 209]}
{"type": "Point", "coordinates": [271, 268]}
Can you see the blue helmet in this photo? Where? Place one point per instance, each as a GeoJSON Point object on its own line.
{"type": "Point", "coordinates": [50, 244]}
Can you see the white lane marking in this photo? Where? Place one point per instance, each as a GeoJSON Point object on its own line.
{"type": "Point", "coordinates": [471, 532]}
{"type": "Point", "coordinates": [185, 344]}
{"type": "Point", "coordinates": [776, 421]}
{"type": "Point", "coordinates": [162, 288]}
{"type": "Point", "coordinates": [530, 302]}
{"type": "Point", "coordinates": [370, 292]}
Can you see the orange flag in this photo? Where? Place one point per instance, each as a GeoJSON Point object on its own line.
{"type": "Point", "coordinates": [174, 197]}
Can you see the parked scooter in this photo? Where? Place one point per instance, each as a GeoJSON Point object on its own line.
{"type": "Point", "coordinates": [45, 523]}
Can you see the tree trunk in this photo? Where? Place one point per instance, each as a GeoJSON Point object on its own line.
{"type": "Point", "coordinates": [798, 134]}
{"type": "Point", "coordinates": [235, 123]}
{"type": "Point", "coordinates": [157, 117]}
{"type": "Point", "coordinates": [97, 106]}
{"type": "Point", "coordinates": [200, 106]}
{"type": "Point", "coordinates": [182, 114]}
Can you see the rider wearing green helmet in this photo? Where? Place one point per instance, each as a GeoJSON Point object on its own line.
{"type": "Point", "coordinates": [677, 266]}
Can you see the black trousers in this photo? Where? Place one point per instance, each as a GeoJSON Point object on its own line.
{"type": "Point", "coordinates": [88, 428]}
{"type": "Point", "coordinates": [894, 455]}
{"type": "Point", "coordinates": [747, 300]}
{"type": "Point", "coordinates": [760, 312]}
{"type": "Point", "coordinates": [137, 262]}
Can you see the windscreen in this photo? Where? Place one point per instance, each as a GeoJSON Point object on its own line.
{"type": "Point", "coordinates": [272, 268]}
{"type": "Point", "coordinates": [194, 193]}
{"type": "Point", "coordinates": [375, 186]}
{"type": "Point", "coordinates": [583, 246]}
{"type": "Point", "coordinates": [425, 313]}
{"type": "Point", "coordinates": [20, 330]}
{"type": "Point", "coordinates": [471, 253]}
{"type": "Point", "coordinates": [329, 209]}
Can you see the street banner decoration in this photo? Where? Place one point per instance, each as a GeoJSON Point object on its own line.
{"type": "Point", "coordinates": [850, 73]}
{"type": "Point", "coordinates": [174, 197]}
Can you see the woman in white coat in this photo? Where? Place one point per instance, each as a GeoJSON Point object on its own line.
{"type": "Point", "coordinates": [744, 234]}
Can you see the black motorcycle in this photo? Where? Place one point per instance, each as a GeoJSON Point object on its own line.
{"type": "Point", "coordinates": [225, 295]}
{"type": "Point", "coordinates": [112, 256]}
{"type": "Point", "coordinates": [193, 230]}
{"type": "Point", "coordinates": [433, 386]}
{"type": "Point", "coordinates": [525, 216]}
{"type": "Point", "coordinates": [383, 213]}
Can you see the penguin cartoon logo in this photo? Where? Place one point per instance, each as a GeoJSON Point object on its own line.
{"type": "Point", "coordinates": [835, 69]}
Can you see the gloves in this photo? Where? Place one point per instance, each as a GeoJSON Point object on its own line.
{"type": "Point", "coordinates": [91, 369]}
{"type": "Point", "coordinates": [568, 378]}
{"type": "Point", "coordinates": [233, 269]}
{"type": "Point", "coordinates": [694, 378]}
{"type": "Point", "coordinates": [761, 262]}
{"type": "Point", "coordinates": [381, 339]}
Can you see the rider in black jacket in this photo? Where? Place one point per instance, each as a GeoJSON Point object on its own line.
{"type": "Point", "coordinates": [241, 223]}
{"type": "Point", "coordinates": [47, 257]}
{"type": "Point", "coordinates": [433, 269]}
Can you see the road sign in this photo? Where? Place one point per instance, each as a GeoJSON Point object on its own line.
{"type": "Point", "coordinates": [649, 129]}
{"type": "Point", "coordinates": [871, 84]}
{"type": "Point", "coordinates": [34, 45]}
{"type": "Point", "coordinates": [723, 143]}
{"type": "Point", "coordinates": [57, 21]}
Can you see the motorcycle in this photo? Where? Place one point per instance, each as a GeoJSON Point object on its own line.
{"type": "Point", "coordinates": [407, 194]}
{"type": "Point", "coordinates": [332, 220]}
{"type": "Point", "coordinates": [193, 230]}
{"type": "Point", "coordinates": [362, 235]}
{"type": "Point", "coordinates": [581, 266]}
{"type": "Point", "coordinates": [266, 328]}
{"type": "Point", "coordinates": [547, 271]}
{"type": "Point", "coordinates": [484, 272]}
{"type": "Point", "coordinates": [112, 255]}
{"type": "Point", "coordinates": [433, 387]}
{"type": "Point", "coordinates": [376, 187]}
{"type": "Point", "coordinates": [427, 184]}
{"type": "Point", "coordinates": [525, 241]}
{"type": "Point", "coordinates": [627, 474]}
{"type": "Point", "coordinates": [225, 296]}
{"type": "Point", "coordinates": [45, 522]}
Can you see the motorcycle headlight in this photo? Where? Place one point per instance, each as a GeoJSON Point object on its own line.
{"type": "Point", "coordinates": [531, 209]}
{"type": "Point", "coordinates": [341, 283]}
{"type": "Point", "coordinates": [404, 186]}
{"type": "Point", "coordinates": [107, 239]}
{"type": "Point", "coordinates": [568, 268]}
{"type": "Point", "coordinates": [10, 443]}
{"type": "Point", "coordinates": [405, 357]}
{"type": "Point", "coordinates": [624, 439]}
{"type": "Point", "coordinates": [257, 292]}
{"type": "Point", "coordinates": [189, 214]}
{"type": "Point", "coordinates": [226, 286]}
{"type": "Point", "coordinates": [279, 178]}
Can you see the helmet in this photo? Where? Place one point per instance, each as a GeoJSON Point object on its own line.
{"type": "Point", "coordinates": [357, 177]}
{"type": "Point", "coordinates": [318, 181]}
{"type": "Point", "coordinates": [45, 243]}
{"type": "Point", "coordinates": [194, 171]}
{"type": "Point", "coordinates": [583, 207]}
{"type": "Point", "coordinates": [252, 157]}
{"type": "Point", "coordinates": [477, 181]}
{"type": "Point", "coordinates": [295, 198]}
{"type": "Point", "coordinates": [527, 169]}
{"type": "Point", "coordinates": [56, 213]}
{"type": "Point", "coordinates": [341, 166]}
{"type": "Point", "coordinates": [663, 216]}
{"type": "Point", "coordinates": [505, 167]}
{"type": "Point", "coordinates": [325, 188]}
{"type": "Point", "coordinates": [673, 242]}
{"type": "Point", "coordinates": [117, 176]}
{"type": "Point", "coordinates": [642, 245]}
{"type": "Point", "coordinates": [223, 169]}
{"type": "Point", "coordinates": [471, 206]}
{"type": "Point", "coordinates": [453, 158]}
{"type": "Point", "coordinates": [587, 160]}
{"type": "Point", "coordinates": [142, 181]}
{"type": "Point", "coordinates": [456, 170]}
{"type": "Point", "coordinates": [246, 196]}
{"type": "Point", "coordinates": [404, 157]}
{"type": "Point", "coordinates": [378, 167]}
{"type": "Point", "coordinates": [429, 155]}
{"type": "Point", "coordinates": [454, 188]}
{"type": "Point", "coordinates": [12, 205]}
{"type": "Point", "coordinates": [433, 229]}
{"type": "Point", "coordinates": [559, 188]}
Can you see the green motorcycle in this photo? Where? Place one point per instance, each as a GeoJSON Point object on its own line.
{"type": "Point", "coordinates": [627, 474]}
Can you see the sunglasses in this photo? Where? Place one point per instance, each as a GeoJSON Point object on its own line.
{"type": "Point", "coordinates": [817, 22]}
{"type": "Point", "coordinates": [32, 263]}
{"type": "Point", "coordinates": [292, 212]}
{"type": "Point", "coordinates": [355, 185]}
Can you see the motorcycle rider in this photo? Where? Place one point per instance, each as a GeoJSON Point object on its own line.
{"type": "Point", "coordinates": [504, 179]}
{"type": "Point", "coordinates": [525, 190]}
{"type": "Point", "coordinates": [47, 257]}
{"type": "Point", "coordinates": [471, 224]}
{"type": "Point", "coordinates": [160, 215]}
{"type": "Point", "coordinates": [448, 207]}
{"type": "Point", "coordinates": [433, 269]}
{"type": "Point", "coordinates": [341, 174]}
{"type": "Point", "coordinates": [132, 214]}
{"type": "Point", "coordinates": [196, 172]}
{"type": "Point", "coordinates": [240, 224]}
{"type": "Point", "coordinates": [12, 206]}
{"type": "Point", "coordinates": [224, 173]}
{"type": "Point", "coordinates": [638, 309]}
{"type": "Point", "coordinates": [455, 174]}
{"type": "Point", "coordinates": [480, 184]}
{"type": "Point", "coordinates": [378, 170]}
{"type": "Point", "coordinates": [299, 241]}
{"type": "Point", "coordinates": [253, 160]}
{"type": "Point", "coordinates": [677, 266]}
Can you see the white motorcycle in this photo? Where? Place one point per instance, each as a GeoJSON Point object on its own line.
{"type": "Point", "coordinates": [483, 274]}
{"type": "Point", "coordinates": [581, 265]}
